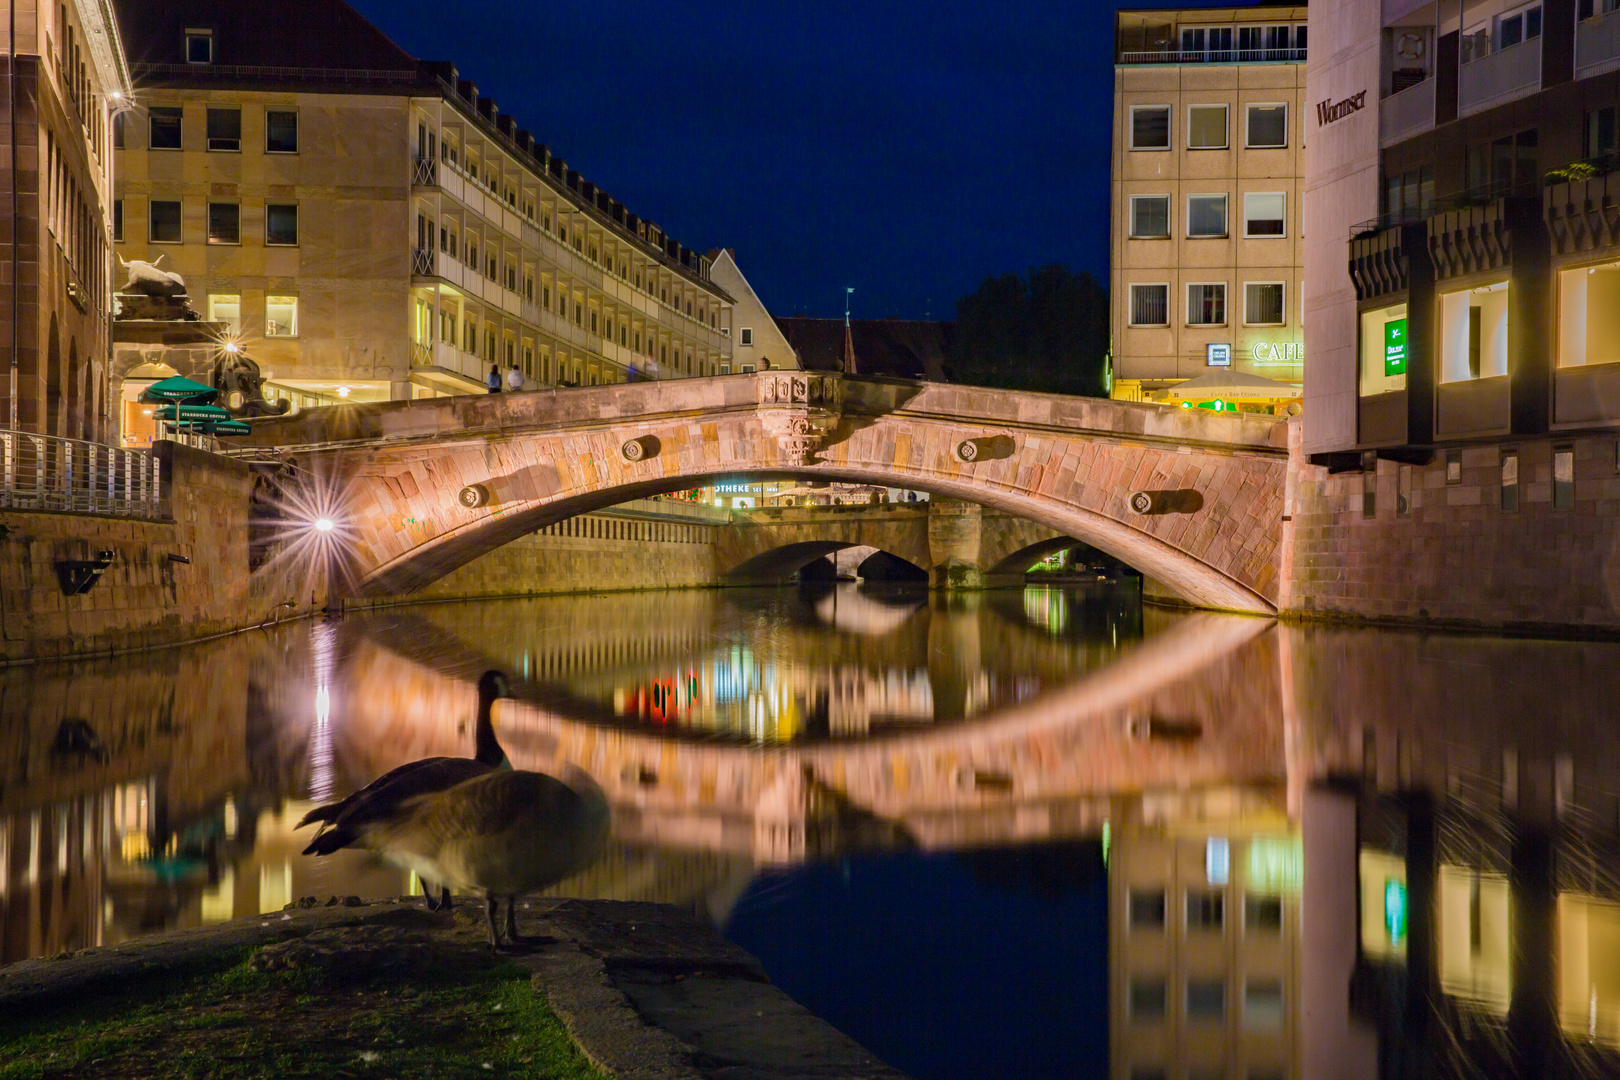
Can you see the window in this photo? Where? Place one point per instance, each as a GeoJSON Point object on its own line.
{"type": "Point", "coordinates": [1403, 491]}
{"type": "Point", "coordinates": [281, 224]}
{"type": "Point", "coordinates": [1147, 909]}
{"type": "Point", "coordinates": [747, 335]}
{"type": "Point", "coordinates": [281, 316]}
{"type": "Point", "coordinates": [1504, 164]}
{"type": "Point", "coordinates": [1206, 216]}
{"type": "Point", "coordinates": [1205, 910]}
{"type": "Point", "coordinates": [1206, 304]}
{"type": "Point", "coordinates": [1519, 26]}
{"type": "Point", "coordinates": [1563, 477]}
{"type": "Point", "coordinates": [1150, 217]}
{"type": "Point", "coordinates": [1265, 213]}
{"type": "Point", "coordinates": [1589, 316]}
{"type": "Point", "coordinates": [226, 308]}
{"type": "Point", "coordinates": [118, 130]}
{"type": "Point", "coordinates": [224, 223]}
{"type": "Point", "coordinates": [1263, 1004]}
{"type": "Point", "coordinates": [1263, 914]}
{"type": "Point", "coordinates": [1206, 127]}
{"type": "Point", "coordinates": [280, 132]}
{"type": "Point", "coordinates": [1206, 1000]}
{"type": "Point", "coordinates": [1510, 481]}
{"type": "Point", "coordinates": [1409, 196]}
{"type": "Point", "coordinates": [1150, 127]}
{"type": "Point", "coordinates": [225, 129]}
{"type": "Point", "coordinates": [1148, 999]}
{"type": "Point", "coordinates": [1268, 126]}
{"type": "Point", "coordinates": [164, 125]}
{"type": "Point", "coordinates": [199, 46]}
{"type": "Point", "coordinates": [118, 221]}
{"type": "Point", "coordinates": [165, 222]}
{"type": "Point", "coordinates": [1473, 333]}
{"type": "Point", "coordinates": [1150, 305]}
{"type": "Point", "coordinates": [1454, 466]}
{"type": "Point", "coordinates": [1599, 132]}
{"type": "Point", "coordinates": [1263, 303]}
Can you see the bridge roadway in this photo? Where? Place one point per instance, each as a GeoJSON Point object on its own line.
{"type": "Point", "coordinates": [426, 486]}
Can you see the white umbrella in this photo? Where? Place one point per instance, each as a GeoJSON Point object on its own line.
{"type": "Point", "coordinates": [1233, 384]}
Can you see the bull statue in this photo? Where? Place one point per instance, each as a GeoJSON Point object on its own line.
{"type": "Point", "coordinates": [145, 279]}
{"type": "Point", "coordinates": [235, 373]}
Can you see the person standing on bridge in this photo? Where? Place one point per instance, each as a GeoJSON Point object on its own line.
{"type": "Point", "coordinates": [514, 379]}
{"type": "Point", "coordinates": [494, 380]}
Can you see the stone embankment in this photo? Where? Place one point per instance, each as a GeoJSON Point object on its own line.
{"type": "Point", "coordinates": [645, 991]}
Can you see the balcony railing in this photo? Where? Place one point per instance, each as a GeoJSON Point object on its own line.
{"type": "Point", "coordinates": [1597, 45]}
{"type": "Point", "coordinates": [423, 263]}
{"type": "Point", "coordinates": [42, 472]}
{"type": "Point", "coordinates": [425, 172]}
{"type": "Point", "coordinates": [1499, 77]}
{"type": "Point", "coordinates": [1408, 113]}
{"type": "Point", "coordinates": [1214, 56]}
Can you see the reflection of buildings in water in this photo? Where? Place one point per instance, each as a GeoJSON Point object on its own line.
{"type": "Point", "coordinates": [1204, 912]}
{"type": "Point", "coordinates": [854, 611]}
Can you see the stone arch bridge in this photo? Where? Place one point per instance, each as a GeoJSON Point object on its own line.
{"type": "Point", "coordinates": [1190, 498]}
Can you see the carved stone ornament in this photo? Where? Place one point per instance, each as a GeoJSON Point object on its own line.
{"type": "Point", "coordinates": [647, 446]}
{"type": "Point", "coordinates": [474, 495]}
{"type": "Point", "coordinates": [967, 450]}
{"type": "Point", "coordinates": [798, 409]}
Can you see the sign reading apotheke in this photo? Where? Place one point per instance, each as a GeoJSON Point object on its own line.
{"type": "Point", "coordinates": [1395, 347]}
{"type": "Point", "coordinates": [1331, 112]}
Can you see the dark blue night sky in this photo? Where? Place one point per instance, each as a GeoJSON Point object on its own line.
{"type": "Point", "coordinates": [907, 149]}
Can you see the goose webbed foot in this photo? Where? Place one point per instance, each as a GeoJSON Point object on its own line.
{"type": "Point", "coordinates": [512, 935]}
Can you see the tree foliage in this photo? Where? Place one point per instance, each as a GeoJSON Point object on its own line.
{"type": "Point", "coordinates": [1045, 331]}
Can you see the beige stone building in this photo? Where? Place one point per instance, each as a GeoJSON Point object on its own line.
{"type": "Point", "coordinates": [67, 79]}
{"type": "Point", "coordinates": [371, 227]}
{"type": "Point", "coordinates": [1207, 232]}
{"type": "Point", "coordinates": [757, 342]}
{"type": "Point", "coordinates": [1203, 938]}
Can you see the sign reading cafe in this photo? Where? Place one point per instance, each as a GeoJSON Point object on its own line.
{"type": "Point", "coordinates": [1289, 353]}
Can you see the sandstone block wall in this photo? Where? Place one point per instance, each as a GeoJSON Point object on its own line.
{"type": "Point", "coordinates": [147, 597]}
{"type": "Point", "coordinates": [1449, 552]}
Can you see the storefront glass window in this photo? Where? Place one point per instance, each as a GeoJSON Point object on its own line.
{"type": "Point", "coordinates": [1385, 351]}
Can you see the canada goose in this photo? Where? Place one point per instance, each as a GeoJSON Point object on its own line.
{"type": "Point", "coordinates": [504, 834]}
{"type": "Point", "coordinates": [341, 820]}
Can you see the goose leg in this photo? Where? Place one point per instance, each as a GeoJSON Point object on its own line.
{"type": "Point", "coordinates": [445, 903]}
{"type": "Point", "coordinates": [489, 916]}
{"type": "Point", "coordinates": [512, 934]}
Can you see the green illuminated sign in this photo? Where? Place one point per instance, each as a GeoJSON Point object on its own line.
{"type": "Point", "coordinates": [1395, 347]}
{"type": "Point", "coordinates": [1395, 909]}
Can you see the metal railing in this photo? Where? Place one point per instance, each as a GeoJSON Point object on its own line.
{"type": "Point", "coordinates": [423, 263]}
{"type": "Point", "coordinates": [425, 172]}
{"type": "Point", "coordinates": [261, 71]}
{"type": "Point", "coordinates": [1214, 56]}
{"type": "Point", "coordinates": [42, 472]}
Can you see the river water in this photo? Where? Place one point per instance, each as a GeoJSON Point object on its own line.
{"type": "Point", "coordinates": [1006, 834]}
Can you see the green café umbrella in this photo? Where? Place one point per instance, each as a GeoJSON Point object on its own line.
{"type": "Point", "coordinates": [179, 388]}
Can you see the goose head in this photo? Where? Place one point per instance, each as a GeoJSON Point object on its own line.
{"type": "Point", "coordinates": [491, 685]}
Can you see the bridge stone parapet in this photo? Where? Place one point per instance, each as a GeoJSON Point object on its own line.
{"type": "Point", "coordinates": [1070, 464]}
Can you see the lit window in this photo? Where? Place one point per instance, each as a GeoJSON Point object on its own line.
{"type": "Point", "coordinates": [225, 129]}
{"type": "Point", "coordinates": [1206, 216]}
{"type": "Point", "coordinates": [1206, 127]}
{"type": "Point", "coordinates": [281, 224]}
{"type": "Point", "coordinates": [164, 127]}
{"type": "Point", "coordinates": [1473, 333]}
{"type": "Point", "coordinates": [281, 316]}
{"type": "Point", "coordinates": [1563, 478]}
{"type": "Point", "coordinates": [1150, 217]}
{"type": "Point", "coordinates": [1150, 127]}
{"type": "Point", "coordinates": [1263, 303]}
{"type": "Point", "coordinates": [199, 46]}
{"type": "Point", "coordinates": [1150, 305]}
{"type": "Point", "coordinates": [1206, 304]}
{"type": "Point", "coordinates": [1265, 214]}
{"type": "Point", "coordinates": [1268, 126]}
{"type": "Point", "coordinates": [165, 221]}
{"type": "Point", "coordinates": [224, 223]}
{"type": "Point", "coordinates": [280, 132]}
{"type": "Point", "coordinates": [1510, 481]}
{"type": "Point", "coordinates": [226, 308]}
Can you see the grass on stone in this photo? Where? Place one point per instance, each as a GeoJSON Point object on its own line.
{"type": "Point", "coordinates": [475, 1017]}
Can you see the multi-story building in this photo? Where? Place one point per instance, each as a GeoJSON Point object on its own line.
{"type": "Point", "coordinates": [1206, 237]}
{"type": "Point", "coordinates": [1463, 281]}
{"type": "Point", "coordinates": [66, 79]}
{"type": "Point", "coordinates": [1204, 938]}
{"type": "Point", "coordinates": [757, 343]}
{"type": "Point", "coordinates": [372, 227]}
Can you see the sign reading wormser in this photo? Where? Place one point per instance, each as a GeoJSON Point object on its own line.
{"type": "Point", "coordinates": [1328, 112]}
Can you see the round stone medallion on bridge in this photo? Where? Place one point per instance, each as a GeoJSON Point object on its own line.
{"type": "Point", "coordinates": [1070, 464]}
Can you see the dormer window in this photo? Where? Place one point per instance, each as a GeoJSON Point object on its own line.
{"type": "Point", "coordinates": [199, 46]}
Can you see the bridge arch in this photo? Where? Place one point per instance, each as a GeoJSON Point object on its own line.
{"type": "Point", "coordinates": [1068, 464]}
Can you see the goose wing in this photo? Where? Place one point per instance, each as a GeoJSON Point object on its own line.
{"type": "Point", "coordinates": [387, 797]}
{"type": "Point", "coordinates": [333, 810]}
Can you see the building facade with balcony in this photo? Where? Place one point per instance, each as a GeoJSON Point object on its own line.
{"type": "Point", "coordinates": [371, 227]}
{"type": "Point", "coordinates": [66, 80]}
{"type": "Point", "coordinates": [1206, 237]}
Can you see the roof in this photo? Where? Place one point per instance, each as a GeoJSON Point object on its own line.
{"type": "Point", "coordinates": [905, 348]}
{"type": "Point", "coordinates": [261, 34]}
